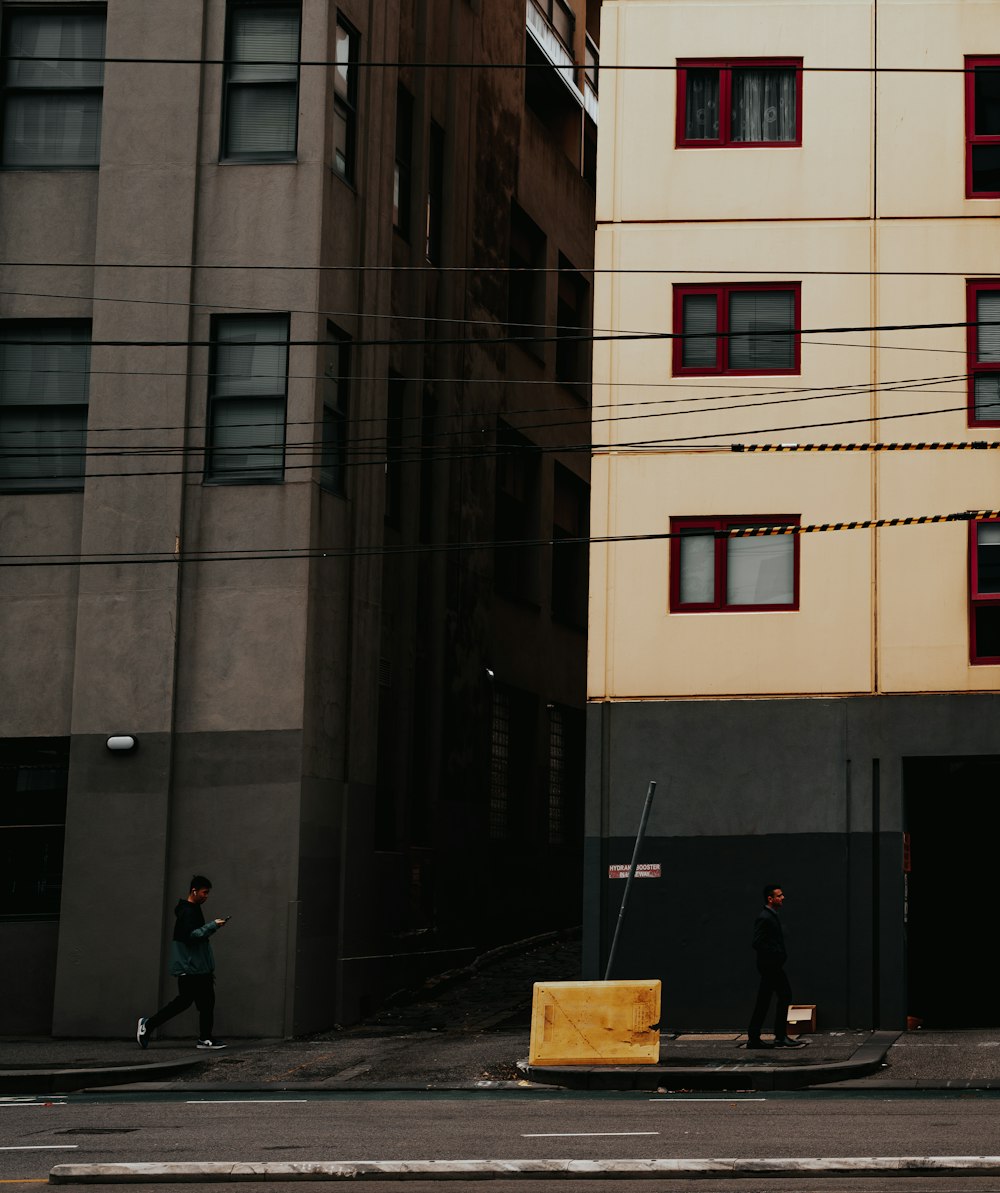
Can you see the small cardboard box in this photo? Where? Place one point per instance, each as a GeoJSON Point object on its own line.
{"type": "Point", "coordinates": [801, 1017]}
{"type": "Point", "coordinates": [586, 1023]}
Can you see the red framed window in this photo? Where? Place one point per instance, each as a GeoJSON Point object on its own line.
{"type": "Point", "coordinates": [711, 571]}
{"type": "Point", "coordinates": [739, 101]}
{"type": "Point", "coordinates": [984, 592]}
{"type": "Point", "coordinates": [982, 128]}
{"type": "Point", "coordinates": [749, 328]}
{"type": "Point", "coordinates": [983, 338]}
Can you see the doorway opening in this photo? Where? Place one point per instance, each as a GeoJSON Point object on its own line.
{"type": "Point", "coordinates": [952, 817]}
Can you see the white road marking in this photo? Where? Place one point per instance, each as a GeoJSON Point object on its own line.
{"type": "Point", "coordinates": [708, 1099]}
{"type": "Point", "coordinates": [582, 1134]}
{"type": "Point", "coordinates": [46, 1147]}
{"type": "Point", "coordinates": [239, 1101]}
{"type": "Point", "coordinates": [19, 1105]}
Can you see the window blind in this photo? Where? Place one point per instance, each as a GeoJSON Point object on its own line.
{"type": "Point", "coordinates": [700, 321]}
{"type": "Point", "coordinates": [262, 82]}
{"type": "Point", "coordinates": [760, 571]}
{"type": "Point", "coordinates": [988, 329]}
{"type": "Point", "coordinates": [760, 326]}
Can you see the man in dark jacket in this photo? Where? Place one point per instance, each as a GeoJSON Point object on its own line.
{"type": "Point", "coordinates": [769, 945]}
{"type": "Point", "coordinates": [192, 964]}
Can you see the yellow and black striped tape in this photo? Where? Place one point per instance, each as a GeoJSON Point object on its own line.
{"type": "Point", "coordinates": [862, 524]}
{"type": "Point", "coordinates": [978, 445]}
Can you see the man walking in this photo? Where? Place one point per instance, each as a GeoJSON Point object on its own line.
{"type": "Point", "coordinates": [769, 945]}
{"type": "Point", "coordinates": [192, 964]}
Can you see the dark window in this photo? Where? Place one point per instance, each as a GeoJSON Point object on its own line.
{"type": "Point", "coordinates": [402, 178]}
{"type": "Point", "coordinates": [737, 329]}
{"type": "Point", "coordinates": [336, 409]}
{"type": "Point", "coordinates": [261, 82]}
{"type": "Point", "coordinates": [516, 516]}
{"type": "Point", "coordinates": [526, 279]}
{"type": "Point", "coordinates": [33, 779]}
{"type": "Point", "coordinates": [982, 128]}
{"type": "Point", "coordinates": [345, 100]}
{"type": "Point", "coordinates": [739, 102]}
{"type": "Point", "coordinates": [590, 151]}
{"type": "Point", "coordinates": [394, 451]}
{"type": "Point", "coordinates": [573, 345]}
{"type": "Point", "coordinates": [570, 532]}
{"type": "Point", "coordinates": [983, 339]}
{"type": "Point", "coordinates": [51, 108]}
{"type": "Point", "coordinates": [435, 193]}
{"type": "Point", "coordinates": [44, 386]}
{"type": "Point", "coordinates": [565, 777]}
{"type": "Point", "coordinates": [249, 377]}
{"type": "Point", "coordinates": [712, 570]}
{"type": "Point", "coordinates": [512, 757]}
{"type": "Point", "coordinates": [984, 592]}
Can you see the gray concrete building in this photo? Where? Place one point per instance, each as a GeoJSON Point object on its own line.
{"type": "Point", "coordinates": [293, 307]}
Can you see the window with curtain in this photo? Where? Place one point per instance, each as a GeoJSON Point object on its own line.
{"type": "Point", "coordinates": [982, 128]}
{"type": "Point", "coordinates": [44, 388]}
{"type": "Point", "coordinates": [714, 568]}
{"type": "Point", "coordinates": [984, 352]}
{"type": "Point", "coordinates": [739, 102]}
{"type": "Point", "coordinates": [249, 376]}
{"type": "Point", "coordinates": [737, 328]}
{"type": "Point", "coordinates": [51, 93]}
{"type": "Point", "coordinates": [984, 592]}
{"type": "Point", "coordinates": [345, 100]}
{"type": "Point", "coordinates": [336, 398]}
{"type": "Point", "coordinates": [261, 82]}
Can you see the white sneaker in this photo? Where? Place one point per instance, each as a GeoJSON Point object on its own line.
{"type": "Point", "coordinates": [214, 1045]}
{"type": "Point", "coordinates": [141, 1035]}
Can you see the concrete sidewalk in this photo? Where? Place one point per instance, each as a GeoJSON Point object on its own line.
{"type": "Point", "coordinates": [469, 1030]}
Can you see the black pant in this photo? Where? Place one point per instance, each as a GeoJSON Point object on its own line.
{"type": "Point", "coordinates": [772, 981]}
{"type": "Point", "coordinates": [191, 988]}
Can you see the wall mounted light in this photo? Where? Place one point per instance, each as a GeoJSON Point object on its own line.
{"type": "Point", "coordinates": [121, 741]}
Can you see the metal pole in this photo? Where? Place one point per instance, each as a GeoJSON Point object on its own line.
{"type": "Point", "coordinates": [631, 874]}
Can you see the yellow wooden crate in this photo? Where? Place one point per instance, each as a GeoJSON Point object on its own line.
{"type": "Point", "coordinates": [586, 1023]}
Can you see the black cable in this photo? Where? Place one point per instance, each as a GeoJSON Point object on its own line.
{"type": "Point", "coordinates": [492, 341]}
{"type": "Point", "coordinates": [238, 555]}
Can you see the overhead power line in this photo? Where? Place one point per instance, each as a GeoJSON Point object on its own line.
{"type": "Point", "coordinates": [386, 457]}
{"type": "Point", "coordinates": [492, 341]}
{"type": "Point", "coordinates": [390, 64]}
{"type": "Point", "coordinates": [425, 436]}
{"type": "Point", "coordinates": [345, 267]}
{"type": "Point", "coordinates": [238, 555]}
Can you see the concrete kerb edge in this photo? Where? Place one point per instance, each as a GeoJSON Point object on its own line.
{"type": "Point", "coordinates": [28, 1081]}
{"type": "Point", "coordinates": [867, 1059]}
{"type": "Point", "coordinates": [382, 1170]}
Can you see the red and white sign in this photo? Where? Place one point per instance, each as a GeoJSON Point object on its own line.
{"type": "Point", "coordinates": [643, 870]}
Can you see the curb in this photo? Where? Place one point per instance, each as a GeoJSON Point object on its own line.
{"type": "Point", "coordinates": [866, 1060]}
{"type": "Point", "coordinates": [484, 1170]}
{"type": "Point", "coordinates": [32, 1081]}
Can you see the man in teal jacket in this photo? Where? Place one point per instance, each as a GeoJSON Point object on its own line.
{"type": "Point", "coordinates": [192, 964]}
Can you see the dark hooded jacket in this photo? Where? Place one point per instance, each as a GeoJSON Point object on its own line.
{"type": "Point", "coordinates": [191, 949]}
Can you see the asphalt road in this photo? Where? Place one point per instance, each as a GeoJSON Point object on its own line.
{"type": "Point", "coordinates": [106, 1128]}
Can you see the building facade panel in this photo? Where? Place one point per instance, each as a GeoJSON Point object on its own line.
{"type": "Point", "coordinates": [317, 731]}
{"type": "Point", "coordinates": [827, 177]}
{"type": "Point", "coordinates": [855, 790]}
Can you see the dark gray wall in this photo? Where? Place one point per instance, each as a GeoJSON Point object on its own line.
{"type": "Point", "coordinates": [805, 793]}
{"type": "Point", "coordinates": [29, 962]}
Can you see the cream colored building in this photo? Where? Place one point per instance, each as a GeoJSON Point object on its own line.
{"type": "Point", "coordinates": [796, 221]}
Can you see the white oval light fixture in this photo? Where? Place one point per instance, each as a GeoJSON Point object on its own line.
{"type": "Point", "coordinates": [121, 741]}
